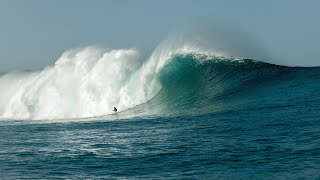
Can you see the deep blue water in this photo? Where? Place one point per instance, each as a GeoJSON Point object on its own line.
{"type": "Point", "coordinates": [253, 143]}
{"type": "Point", "coordinates": [214, 120]}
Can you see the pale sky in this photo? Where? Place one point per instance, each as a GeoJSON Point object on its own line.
{"type": "Point", "coordinates": [34, 33]}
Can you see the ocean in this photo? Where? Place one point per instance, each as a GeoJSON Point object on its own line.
{"type": "Point", "coordinates": [183, 114]}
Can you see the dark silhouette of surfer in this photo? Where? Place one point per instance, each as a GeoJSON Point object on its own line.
{"type": "Point", "coordinates": [115, 109]}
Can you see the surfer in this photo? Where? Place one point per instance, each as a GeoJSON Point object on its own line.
{"type": "Point", "coordinates": [115, 109]}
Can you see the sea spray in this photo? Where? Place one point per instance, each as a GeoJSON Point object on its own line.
{"type": "Point", "coordinates": [83, 82]}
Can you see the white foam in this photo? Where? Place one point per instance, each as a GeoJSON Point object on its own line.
{"type": "Point", "coordinates": [83, 83]}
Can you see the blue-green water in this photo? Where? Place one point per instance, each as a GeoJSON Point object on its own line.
{"type": "Point", "coordinates": [212, 119]}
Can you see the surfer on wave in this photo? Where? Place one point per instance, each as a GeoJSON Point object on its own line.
{"type": "Point", "coordinates": [115, 109]}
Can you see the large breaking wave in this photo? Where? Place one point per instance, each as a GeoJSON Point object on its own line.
{"type": "Point", "coordinates": [88, 82]}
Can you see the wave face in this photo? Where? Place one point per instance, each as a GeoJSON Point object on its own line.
{"type": "Point", "coordinates": [88, 82]}
{"type": "Point", "coordinates": [196, 84]}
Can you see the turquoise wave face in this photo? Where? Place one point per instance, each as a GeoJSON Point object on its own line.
{"type": "Point", "coordinates": [199, 84]}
